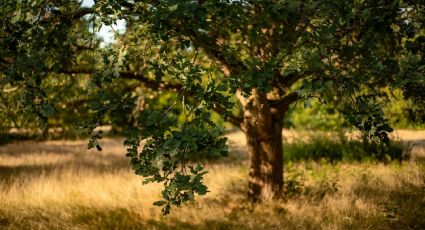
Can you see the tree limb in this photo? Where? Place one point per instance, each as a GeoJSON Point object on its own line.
{"type": "Point", "coordinates": [215, 51]}
{"type": "Point", "coordinates": [160, 85]}
{"type": "Point", "coordinates": [147, 82]}
{"type": "Point", "coordinates": [234, 120]}
{"type": "Point", "coordinates": [150, 83]}
{"type": "Point", "coordinates": [289, 80]}
{"type": "Point", "coordinates": [284, 102]}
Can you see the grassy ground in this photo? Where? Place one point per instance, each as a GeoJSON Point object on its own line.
{"type": "Point", "coordinates": [61, 185]}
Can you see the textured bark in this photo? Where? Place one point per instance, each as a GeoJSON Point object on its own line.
{"type": "Point", "coordinates": [262, 126]}
{"type": "Point", "coordinates": [266, 168]}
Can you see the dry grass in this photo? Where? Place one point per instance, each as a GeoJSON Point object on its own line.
{"type": "Point", "coordinates": [61, 185]}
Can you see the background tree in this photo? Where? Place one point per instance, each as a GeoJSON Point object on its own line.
{"type": "Point", "coordinates": [269, 54]}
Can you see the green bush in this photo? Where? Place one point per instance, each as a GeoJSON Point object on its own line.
{"type": "Point", "coordinates": [318, 116]}
{"type": "Point", "coordinates": [343, 149]}
{"type": "Point", "coordinates": [402, 113]}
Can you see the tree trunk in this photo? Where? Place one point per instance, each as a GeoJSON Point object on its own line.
{"type": "Point", "coordinates": [266, 167]}
{"type": "Point", "coordinates": [262, 126]}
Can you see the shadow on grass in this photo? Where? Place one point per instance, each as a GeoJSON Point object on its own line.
{"type": "Point", "coordinates": [38, 148]}
{"type": "Point", "coordinates": [76, 164]}
{"type": "Point", "coordinates": [6, 138]}
{"type": "Point", "coordinates": [403, 207]}
{"type": "Point", "coordinates": [96, 218]}
{"type": "Point", "coordinates": [208, 224]}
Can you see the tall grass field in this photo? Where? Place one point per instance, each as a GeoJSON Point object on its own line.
{"type": "Point", "coordinates": [62, 185]}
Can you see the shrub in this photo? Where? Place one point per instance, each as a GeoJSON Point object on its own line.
{"type": "Point", "coordinates": [344, 149]}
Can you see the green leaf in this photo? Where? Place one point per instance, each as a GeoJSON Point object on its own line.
{"type": "Point", "coordinates": [159, 203]}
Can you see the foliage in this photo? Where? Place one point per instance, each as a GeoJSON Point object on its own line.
{"type": "Point", "coordinates": [402, 113]}
{"type": "Point", "coordinates": [318, 117]}
{"type": "Point", "coordinates": [294, 182]}
{"type": "Point", "coordinates": [161, 156]}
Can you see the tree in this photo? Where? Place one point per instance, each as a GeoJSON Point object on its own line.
{"type": "Point", "coordinates": [269, 54]}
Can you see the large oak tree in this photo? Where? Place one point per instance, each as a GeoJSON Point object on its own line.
{"type": "Point", "coordinates": [246, 60]}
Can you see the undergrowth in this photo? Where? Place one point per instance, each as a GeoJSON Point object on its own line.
{"type": "Point", "coordinates": [341, 148]}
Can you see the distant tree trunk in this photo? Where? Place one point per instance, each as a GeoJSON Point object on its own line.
{"type": "Point", "coordinates": [262, 126]}
{"type": "Point", "coordinates": [44, 133]}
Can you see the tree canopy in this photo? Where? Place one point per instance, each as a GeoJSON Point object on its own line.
{"type": "Point", "coordinates": [246, 60]}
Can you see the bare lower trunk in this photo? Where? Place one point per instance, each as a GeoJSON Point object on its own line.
{"type": "Point", "coordinates": [266, 168]}
{"type": "Point", "coordinates": [262, 126]}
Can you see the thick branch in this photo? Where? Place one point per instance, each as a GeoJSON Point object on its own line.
{"type": "Point", "coordinates": [234, 120]}
{"type": "Point", "coordinates": [289, 80]}
{"type": "Point", "coordinates": [215, 51]}
{"type": "Point", "coordinates": [82, 12]}
{"type": "Point", "coordinates": [283, 103]}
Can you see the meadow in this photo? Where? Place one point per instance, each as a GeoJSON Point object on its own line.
{"type": "Point", "coordinates": [62, 185]}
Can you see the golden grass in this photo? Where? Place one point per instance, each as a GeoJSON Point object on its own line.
{"type": "Point", "coordinates": [61, 185]}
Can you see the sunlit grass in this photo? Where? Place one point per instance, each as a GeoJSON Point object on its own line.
{"type": "Point", "coordinates": [61, 185]}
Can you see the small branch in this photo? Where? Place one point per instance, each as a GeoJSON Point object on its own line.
{"type": "Point", "coordinates": [150, 83]}
{"type": "Point", "coordinates": [147, 82]}
{"type": "Point", "coordinates": [82, 47]}
{"type": "Point", "coordinates": [6, 60]}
